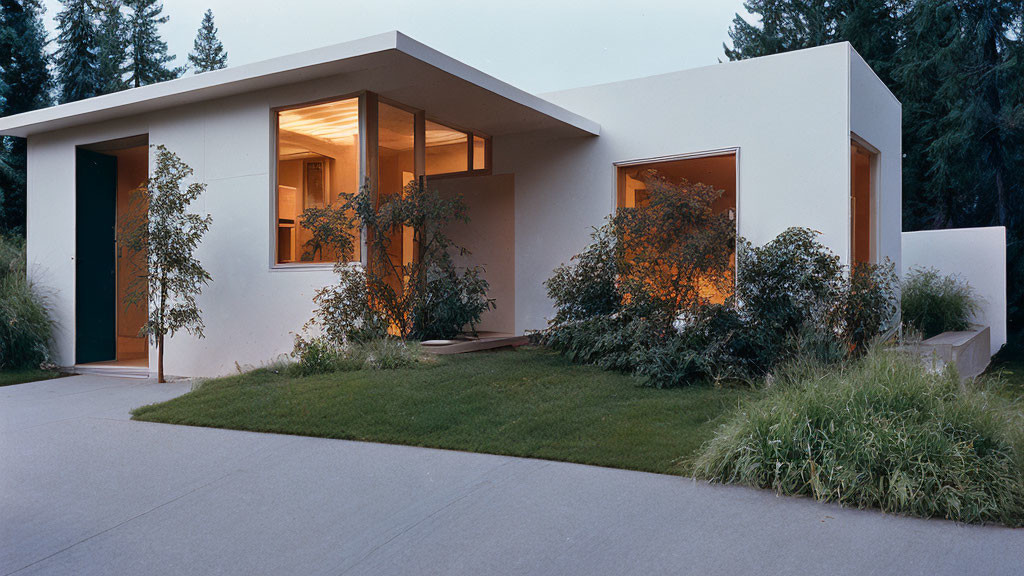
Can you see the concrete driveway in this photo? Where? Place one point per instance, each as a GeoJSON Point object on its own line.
{"type": "Point", "coordinates": [83, 490]}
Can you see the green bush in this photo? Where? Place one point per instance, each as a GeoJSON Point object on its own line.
{"type": "Point", "coordinates": [320, 355]}
{"type": "Point", "coordinates": [792, 299]}
{"type": "Point", "coordinates": [933, 303]}
{"type": "Point", "coordinates": [882, 432]}
{"type": "Point", "coordinates": [25, 325]}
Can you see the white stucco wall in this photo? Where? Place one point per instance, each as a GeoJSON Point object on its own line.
{"type": "Point", "coordinates": [978, 255]}
{"type": "Point", "coordinates": [251, 308]}
{"type": "Point", "coordinates": [789, 117]}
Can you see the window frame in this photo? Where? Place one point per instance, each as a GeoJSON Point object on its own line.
{"type": "Point", "coordinates": [275, 111]}
{"type": "Point", "coordinates": [367, 157]}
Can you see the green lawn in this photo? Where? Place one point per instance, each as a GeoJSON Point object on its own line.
{"type": "Point", "coordinates": [9, 377]}
{"type": "Point", "coordinates": [529, 402]}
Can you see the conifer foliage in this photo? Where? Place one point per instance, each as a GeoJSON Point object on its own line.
{"type": "Point", "coordinates": [208, 51]}
{"type": "Point", "coordinates": [148, 60]}
{"type": "Point", "coordinates": [113, 45]}
{"type": "Point", "coordinates": [25, 84]}
{"type": "Point", "coordinates": [78, 63]}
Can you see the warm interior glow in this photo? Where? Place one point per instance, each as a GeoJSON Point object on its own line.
{"type": "Point", "coordinates": [719, 172]}
{"type": "Point", "coordinates": [132, 173]}
{"type": "Point", "coordinates": [396, 166]}
{"type": "Point", "coordinates": [447, 149]}
{"type": "Point", "coordinates": [479, 153]}
{"type": "Point", "coordinates": [861, 225]}
{"type": "Point", "coordinates": [318, 161]}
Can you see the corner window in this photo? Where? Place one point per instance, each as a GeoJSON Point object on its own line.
{"type": "Point", "coordinates": [317, 162]}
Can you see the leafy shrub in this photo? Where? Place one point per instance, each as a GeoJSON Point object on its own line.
{"type": "Point", "coordinates": [587, 287]}
{"type": "Point", "coordinates": [675, 251]}
{"type": "Point", "coordinates": [25, 325]}
{"type": "Point", "coordinates": [343, 313]}
{"type": "Point", "coordinates": [792, 299]}
{"type": "Point", "coordinates": [882, 432]}
{"type": "Point", "coordinates": [449, 302]}
{"type": "Point", "coordinates": [870, 302]}
{"type": "Point", "coordinates": [422, 297]}
{"type": "Point", "coordinates": [933, 303]}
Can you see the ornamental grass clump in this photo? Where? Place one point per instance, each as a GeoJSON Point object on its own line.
{"type": "Point", "coordinates": [933, 303]}
{"type": "Point", "coordinates": [25, 324]}
{"type": "Point", "coordinates": [882, 432]}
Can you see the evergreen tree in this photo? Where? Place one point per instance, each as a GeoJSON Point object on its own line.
{"type": "Point", "coordinates": [207, 51]}
{"type": "Point", "coordinates": [147, 53]}
{"type": "Point", "coordinates": [25, 84]}
{"type": "Point", "coordinates": [77, 51]}
{"type": "Point", "coordinates": [113, 46]}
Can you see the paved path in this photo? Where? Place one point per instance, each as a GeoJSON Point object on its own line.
{"type": "Point", "coordinates": [83, 490]}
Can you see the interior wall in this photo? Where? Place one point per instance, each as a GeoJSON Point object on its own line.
{"type": "Point", "coordinates": [132, 172]}
{"type": "Point", "coordinates": [490, 237]}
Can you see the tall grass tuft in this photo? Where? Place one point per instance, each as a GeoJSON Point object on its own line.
{"type": "Point", "coordinates": [883, 433]}
{"type": "Point", "coordinates": [25, 325]}
{"type": "Point", "coordinates": [933, 303]}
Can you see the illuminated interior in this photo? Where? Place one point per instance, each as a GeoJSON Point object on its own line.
{"type": "Point", "coordinates": [717, 171]}
{"type": "Point", "coordinates": [317, 161]}
{"type": "Point", "coordinates": [396, 168]}
{"type": "Point", "coordinates": [861, 197]}
{"type": "Point", "coordinates": [447, 149]}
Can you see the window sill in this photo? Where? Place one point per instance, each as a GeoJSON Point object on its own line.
{"type": "Point", "coordinates": [307, 267]}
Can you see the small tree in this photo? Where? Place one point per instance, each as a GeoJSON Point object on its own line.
{"type": "Point", "coordinates": [208, 51]}
{"type": "Point", "coordinates": [425, 297]}
{"type": "Point", "coordinates": [162, 228]}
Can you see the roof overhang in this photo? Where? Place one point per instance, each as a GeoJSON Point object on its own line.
{"type": "Point", "coordinates": [394, 66]}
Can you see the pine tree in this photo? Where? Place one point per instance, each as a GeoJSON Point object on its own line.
{"type": "Point", "coordinates": [25, 84]}
{"type": "Point", "coordinates": [207, 51]}
{"type": "Point", "coordinates": [147, 53]}
{"type": "Point", "coordinates": [78, 51]}
{"type": "Point", "coordinates": [113, 49]}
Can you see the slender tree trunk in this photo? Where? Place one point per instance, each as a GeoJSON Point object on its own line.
{"type": "Point", "coordinates": [994, 136]}
{"type": "Point", "coordinates": [160, 328]}
{"type": "Point", "coordinates": [160, 359]}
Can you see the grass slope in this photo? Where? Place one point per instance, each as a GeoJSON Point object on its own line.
{"type": "Point", "coordinates": [528, 402]}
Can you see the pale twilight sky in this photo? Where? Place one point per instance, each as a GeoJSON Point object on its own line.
{"type": "Point", "coordinates": [536, 45]}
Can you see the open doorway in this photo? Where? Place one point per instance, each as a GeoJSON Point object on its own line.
{"type": "Point", "coordinates": [106, 326]}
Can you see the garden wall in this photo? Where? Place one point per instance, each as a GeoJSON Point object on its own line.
{"type": "Point", "coordinates": [978, 255]}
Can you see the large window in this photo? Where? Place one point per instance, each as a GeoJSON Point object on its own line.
{"type": "Point", "coordinates": [717, 171]}
{"type": "Point", "coordinates": [317, 162]}
{"type": "Point", "coordinates": [861, 199]}
{"type": "Point", "coordinates": [320, 158]}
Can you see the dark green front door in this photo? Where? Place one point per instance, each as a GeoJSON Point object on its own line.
{"type": "Point", "coordinates": [96, 280]}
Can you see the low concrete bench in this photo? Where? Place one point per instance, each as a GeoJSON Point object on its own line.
{"type": "Point", "coordinates": [968, 349]}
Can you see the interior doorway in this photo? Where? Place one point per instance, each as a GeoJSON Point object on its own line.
{"type": "Point", "coordinates": [107, 326]}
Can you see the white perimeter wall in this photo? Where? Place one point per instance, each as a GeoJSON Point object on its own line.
{"type": "Point", "coordinates": [978, 255]}
{"type": "Point", "coordinates": [788, 115]}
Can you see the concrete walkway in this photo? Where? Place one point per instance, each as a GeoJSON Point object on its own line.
{"type": "Point", "coordinates": [83, 490]}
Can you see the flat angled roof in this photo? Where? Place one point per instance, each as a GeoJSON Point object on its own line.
{"type": "Point", "coordinates": [409, 72]}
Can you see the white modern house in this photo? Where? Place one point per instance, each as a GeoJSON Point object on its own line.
{"type": "Point", "coordinates": [809, 138]}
